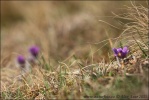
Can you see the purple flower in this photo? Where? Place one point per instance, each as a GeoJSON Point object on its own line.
{"type": "Point", "coordinates": [21, 60]}
{"type": "Point", "coordinates": [34, 50]}
{"type": "Point", "coordinates": [121, 52]}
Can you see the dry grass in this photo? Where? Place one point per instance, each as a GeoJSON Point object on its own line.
{"type": "Point", "coordinates": [136, 30]}
{"type": "Point", "coordinates": [69, 66]}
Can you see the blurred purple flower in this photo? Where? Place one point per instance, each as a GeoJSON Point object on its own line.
{"type": "Point", "coordinates": [21, 60]}
{"type": "Point", "coordinates": [34, 50]}
{"type": "Point", "coordinates": [121, 52]}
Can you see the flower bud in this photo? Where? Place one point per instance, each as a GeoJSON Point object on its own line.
{"type": "Point", "coordinates": [34, 50]}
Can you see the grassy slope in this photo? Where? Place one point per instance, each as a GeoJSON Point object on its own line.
{"type": "Point", "coordinates": [74, 78]}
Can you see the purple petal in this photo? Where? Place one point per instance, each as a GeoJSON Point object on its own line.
{"type": "Point", "coordinates": [119, 50]}
{"type": "Point", "coordinates": [125, 50]}
{"type": "Point", "coordinates": [34, 50]}
{"type": "Point", "coordinates": [123, 54]}
{"type": "Point", "coordinates": [115, 51]}
{"type": "Point", "coordinates": [21, 59]}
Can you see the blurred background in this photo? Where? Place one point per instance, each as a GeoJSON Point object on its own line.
{"type": "Point", "coordinates": [60, 28]}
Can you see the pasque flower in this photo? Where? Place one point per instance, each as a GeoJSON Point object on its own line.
{"type": "Point", "coordinates": [121, 52]}
{"type": "Point", "coordinates": [23, 65]}
{"type": "Point", "coordinates": [34, 50]}
{"type": "Point", "coordinates": [21, 60]}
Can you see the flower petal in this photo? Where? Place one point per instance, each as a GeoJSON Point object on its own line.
{"type": "Point", "coordinates": [125, 50]}
{"type": "Point", "coordinates": [123, 55]}
{"type": "Point", "coordinates": [119, 50]}
{"type": "Point", "coordinates": [21, 59]}
{"type": "Point", "coordinates": [34, 50]}
{"type": "Point", "coordinates": [115, 51]}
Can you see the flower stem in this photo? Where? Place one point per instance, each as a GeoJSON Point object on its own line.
{"type": "Point", "coordinates": [118, 61]}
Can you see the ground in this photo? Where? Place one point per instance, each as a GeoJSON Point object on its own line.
{"type": "Point", "coordinates": [76, 60]}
